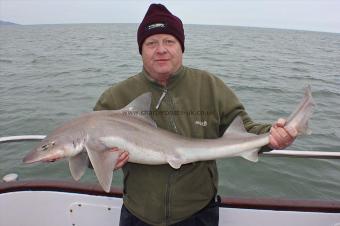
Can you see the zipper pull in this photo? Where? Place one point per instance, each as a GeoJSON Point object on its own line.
{"type": "Point", "coordinates": [161, 98]}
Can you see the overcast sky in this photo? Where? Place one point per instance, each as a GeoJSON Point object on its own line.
{"type": "Point", "coordinates": [315, 15]}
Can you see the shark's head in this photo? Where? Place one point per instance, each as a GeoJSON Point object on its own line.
{"type": "Point", "coordinates": [49, 150]}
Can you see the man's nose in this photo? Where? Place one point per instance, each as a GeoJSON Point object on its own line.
{"type": "Point", "coordinates": [161, 48]}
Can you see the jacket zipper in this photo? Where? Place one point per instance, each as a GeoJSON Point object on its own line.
{"type": "Point", "coordinates": [172, 119]}
{"type": "Point", "coordinates": [167, 201]}
{"type": "Point", "coordinates": [161, 98]}
{"type": "Point", "coordinates": [172, 116]}
{"type": "Point", "coordinates": [168, 197]}
{"type": "Point", "coordinates": [172, 175]}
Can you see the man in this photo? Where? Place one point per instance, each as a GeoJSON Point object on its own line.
{"type": "Point", "coordinates": [186, 101]}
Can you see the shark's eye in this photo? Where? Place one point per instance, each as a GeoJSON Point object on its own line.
{"type": "Point", "coordinates": [44, 147]}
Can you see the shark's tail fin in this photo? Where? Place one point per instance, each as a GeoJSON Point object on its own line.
{"type": "Point", "coordinates": [299, 118]}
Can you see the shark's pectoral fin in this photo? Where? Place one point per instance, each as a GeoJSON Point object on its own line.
{"type": "Point", "coordinates": [251, 155]}
{"type": "Point", "coordinates": [103, 163]}
{"type": "Point", "coordinates": [78, 165]}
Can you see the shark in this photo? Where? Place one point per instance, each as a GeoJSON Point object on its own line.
{"type": "Point", "coordinates": [91, 137]}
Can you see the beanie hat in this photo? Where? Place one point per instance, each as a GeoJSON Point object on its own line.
{"type": "Point", "coordinates": [159, 20]}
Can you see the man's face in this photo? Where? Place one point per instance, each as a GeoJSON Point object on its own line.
{"type": "Point", "coordinates": [162, 56]}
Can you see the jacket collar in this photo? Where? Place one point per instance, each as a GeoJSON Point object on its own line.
{"type": "Point", "coordinates": [172, 80]}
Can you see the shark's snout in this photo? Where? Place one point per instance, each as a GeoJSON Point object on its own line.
{"type": "Point", "coordinates": [37, 155]}
{"type": "Point", "coordinates": [31, 157]}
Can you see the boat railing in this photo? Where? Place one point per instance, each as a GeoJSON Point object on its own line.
{"type": "Point", "coordinates": [273, 153]}
{"type": "Point", "coordinates": [19, 138]}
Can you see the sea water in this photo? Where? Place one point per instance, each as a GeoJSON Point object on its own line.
{"type": "Point", "coordinates": [52, 73]}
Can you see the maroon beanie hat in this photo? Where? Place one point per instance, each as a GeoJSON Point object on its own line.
{"type": "Point", "coordinates": [159, 20]}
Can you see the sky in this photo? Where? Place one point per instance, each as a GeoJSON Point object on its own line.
{"type": "Point", "coordinates": [314, 15]}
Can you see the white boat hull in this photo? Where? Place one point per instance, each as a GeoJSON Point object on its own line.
{"type": "Point", "coordinates": [60, 203]}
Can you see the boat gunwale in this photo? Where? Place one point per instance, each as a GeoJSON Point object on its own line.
{"type": "Point", "coordinates": [277, 204]}
{"type": "Point", "coordinates": [58, 186]}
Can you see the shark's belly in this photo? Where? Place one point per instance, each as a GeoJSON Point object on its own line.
{"type": "Point", "coordinates": [145, 156]}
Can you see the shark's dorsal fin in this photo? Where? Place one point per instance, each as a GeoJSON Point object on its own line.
{"type": "Point", "coordinates": [236, 126]}
{"type": "Point", "coordinates": [140, 107]}
{"type": "Point", "coordinates": [237, 130]}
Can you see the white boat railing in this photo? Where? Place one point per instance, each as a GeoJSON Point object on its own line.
{"type": "Point", "coordinates": [273, 153]}
{"type": "Point", "coordinates": [303, 154]}
{"type": "Point", "coordinates": [21, 138]}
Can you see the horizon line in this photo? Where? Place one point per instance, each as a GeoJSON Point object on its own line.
{"type": "Point", "coordinates": [226, 25]}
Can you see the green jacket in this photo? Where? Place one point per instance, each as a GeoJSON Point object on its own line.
{"type": "Point", "coordinates": [194, 104]}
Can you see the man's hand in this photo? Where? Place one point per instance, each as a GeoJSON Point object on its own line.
{"type": "Point", "coordinates": [122, 159]}
{"type": "Point", "coordinates": [280, 136]}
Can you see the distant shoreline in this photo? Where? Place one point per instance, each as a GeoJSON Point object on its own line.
{"type": "Point", "coordinates": [2, 22]}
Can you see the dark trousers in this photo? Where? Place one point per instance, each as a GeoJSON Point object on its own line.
{"type": "Point", "coordinates": [208, 216]}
